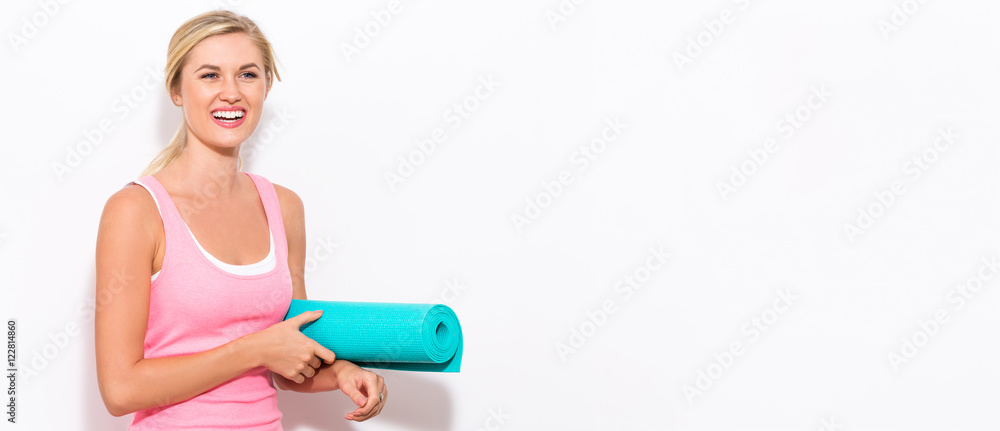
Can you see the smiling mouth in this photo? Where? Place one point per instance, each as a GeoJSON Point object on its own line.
{"type": "Point", "coordinates": [228, 116]}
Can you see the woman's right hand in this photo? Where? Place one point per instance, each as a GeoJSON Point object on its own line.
{"type": "Point", "coordinates": [284, 350]}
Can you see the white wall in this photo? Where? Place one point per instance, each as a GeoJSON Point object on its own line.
{"type": "Point", "coordinates": [336, 125]}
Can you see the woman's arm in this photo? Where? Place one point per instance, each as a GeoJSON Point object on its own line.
{"type": "Point", "coordinates": [353, 380]}
{"type": "Point", "coordinates": [293, 216]}
{"type": "Point", "coordinates": [126, 243]}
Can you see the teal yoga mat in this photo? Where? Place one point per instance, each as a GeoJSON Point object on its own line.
{"type": "Point", "coordinates": [391, 336]}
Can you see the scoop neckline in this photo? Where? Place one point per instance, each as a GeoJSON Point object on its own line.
{"type": "Point", "coordinates": [197, 244]}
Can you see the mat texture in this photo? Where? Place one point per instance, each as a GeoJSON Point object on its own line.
{"type": "Point", "coordinates": [391, 336]}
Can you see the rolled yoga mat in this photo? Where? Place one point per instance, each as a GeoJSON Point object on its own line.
{"type": "Point", "coordinates": [391, 336]}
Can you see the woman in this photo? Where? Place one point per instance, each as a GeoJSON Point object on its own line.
{"type": "Point", "coordinates": [198, 344]}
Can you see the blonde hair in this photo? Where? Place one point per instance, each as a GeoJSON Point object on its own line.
{"type": "Point", "coordinates": [185, 38]}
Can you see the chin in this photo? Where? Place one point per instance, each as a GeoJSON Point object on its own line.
{"type": "Point", "coordinates": [216, 136]}
{"type": "Point", "coordinates": [230, 142]}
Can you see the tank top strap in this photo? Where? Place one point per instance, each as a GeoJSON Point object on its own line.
{"type": "Point", "coordinates": [272, 208]}
{"type": "Point", "coordinates": [171, 216]}
{"type": "Point", "coordinates": [177, 233]}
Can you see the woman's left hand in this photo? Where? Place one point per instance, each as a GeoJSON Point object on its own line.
{"type": "Point", "coordinates": [365, 388]}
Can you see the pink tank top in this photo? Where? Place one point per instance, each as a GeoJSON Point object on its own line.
{"type": "Point", "coordinates": [195, 305]}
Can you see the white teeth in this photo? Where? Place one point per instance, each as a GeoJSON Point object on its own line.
{"type": "Point", "coordinates": [229, 115]}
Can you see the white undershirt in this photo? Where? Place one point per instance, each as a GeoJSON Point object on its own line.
{"type": "Point", "coordinates": [261, 267]}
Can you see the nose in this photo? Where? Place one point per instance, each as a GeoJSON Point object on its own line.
{"type": "Point", "coordinates": [230, 91]}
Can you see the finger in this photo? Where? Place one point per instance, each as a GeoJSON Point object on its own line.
{"type": "Point", "coordinates": [297, 378]}
{"type": "Point", "coordinates": [308, 371]}
{"type": "Point", "coordinates": [355, 395]}
{"type": "Point", "coordinates": [315, 362]}
{"type": "Point", "coordinates": [365, 411]}
{"type": "Point", "coordinates": [370, 385]}
{"type": "Point", "coordinates": [327, 354]}
{"type": "Point", "coordinates": [306, 317]}
{"type": "Point", "coordinates": [385, 396]}
{"type": "Point", "coordinates": [380, 390]}
{"type": "Point", "coordinates": [378, 408]}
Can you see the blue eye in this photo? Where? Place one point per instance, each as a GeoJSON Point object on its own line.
{"type": "Point", "coordinates": [216, 75]}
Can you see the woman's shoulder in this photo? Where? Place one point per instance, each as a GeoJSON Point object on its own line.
{"type": "Point", "coordinates": [132, 198]}
{"type": "Point", "coordinates": [290, 201]}
{"type": "Point", "coordinates": [130, 209]}
{"type": "Point", "coordinates": [284, 193]}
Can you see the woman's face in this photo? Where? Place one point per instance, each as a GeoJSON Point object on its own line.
{"type": "Point", "coordinates": [222, 89]}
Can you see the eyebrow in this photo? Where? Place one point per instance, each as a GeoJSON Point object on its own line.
{"type": "Point", "coordinates": [213, 67]}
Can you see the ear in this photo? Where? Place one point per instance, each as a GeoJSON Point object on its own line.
{"type": "Point", "coordinates": [176, 99]}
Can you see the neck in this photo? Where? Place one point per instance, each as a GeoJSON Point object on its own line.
{"type": "Point", "coordinates": [208, 171]}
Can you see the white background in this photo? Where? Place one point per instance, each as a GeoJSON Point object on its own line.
{"type": "Point", "coordinates": [338, 123]}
